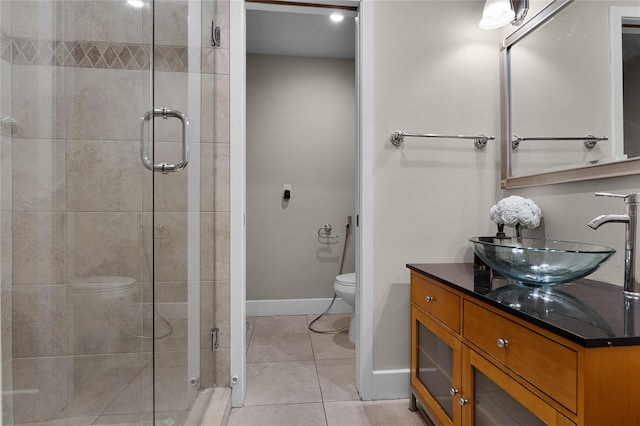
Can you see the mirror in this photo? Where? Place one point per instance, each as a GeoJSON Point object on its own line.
{"type": "Point", "coordinates": [566, 114]}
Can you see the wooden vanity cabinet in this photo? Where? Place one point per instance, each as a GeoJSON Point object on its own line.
{"type": "Point", "coordinates": [475, 364]}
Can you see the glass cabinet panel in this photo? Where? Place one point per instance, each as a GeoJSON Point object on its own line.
{"type": "Point", "coordinates": [493, 406]}
{"type": "Point", "coordinates": [435, 367]}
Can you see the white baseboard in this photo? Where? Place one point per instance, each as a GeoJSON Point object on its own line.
{"type": "Point", "coordinates": [261, 308]}
{"type": "Point", "coordinates": [391, 384]}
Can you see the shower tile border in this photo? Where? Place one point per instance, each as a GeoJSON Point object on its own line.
{"type": "Point", "coordinates": [104, 55]}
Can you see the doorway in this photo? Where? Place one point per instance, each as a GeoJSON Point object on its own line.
{"type": "Point", "coordinates": [363, 253]}
{"type": "Point", "coordinates": [301, 156]}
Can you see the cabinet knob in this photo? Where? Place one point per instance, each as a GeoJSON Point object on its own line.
{"type": "Point", "coordinates": [502, 343]}
{"type": "Point", "coordinates": [463, 401]}
{"type": "Point", "coordinates": [429, 298]}
{"type": "Point", "coordinates": [453, 391]}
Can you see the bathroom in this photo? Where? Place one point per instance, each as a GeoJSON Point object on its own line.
{"type": "Point", "coordinates": [426, 67]}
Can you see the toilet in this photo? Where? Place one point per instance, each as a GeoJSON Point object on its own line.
{"type": "Point", "coordinates": [345, 288]}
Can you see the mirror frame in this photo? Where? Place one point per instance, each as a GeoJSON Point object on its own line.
{"type": "Point", "coordinates": [579, 173]}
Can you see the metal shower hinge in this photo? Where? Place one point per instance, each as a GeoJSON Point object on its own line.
{"type": "Point", "coordinates": [215, 332]}
{"type": "Point", "coordinates": [215, 34]}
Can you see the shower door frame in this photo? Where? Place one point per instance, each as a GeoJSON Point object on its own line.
{"type": "Point", "coordinates": [364, 198]}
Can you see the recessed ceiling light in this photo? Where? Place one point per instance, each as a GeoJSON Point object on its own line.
{"type": "Point", "coordinates": [336, 17]}
{"type": "Point", "coordinates": [135, 3]}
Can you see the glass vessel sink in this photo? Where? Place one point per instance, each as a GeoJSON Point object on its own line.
{"type": "Point", "coordinates": [539, 262]}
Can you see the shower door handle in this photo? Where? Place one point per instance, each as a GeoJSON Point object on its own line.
{"type": "Point", "coordinates": [144, 140]}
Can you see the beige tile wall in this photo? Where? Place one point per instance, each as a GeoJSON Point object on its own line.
{"type": "Point", "coordinates": [6, 294]}
{"type": "Point", "coordinates": [74, 202]}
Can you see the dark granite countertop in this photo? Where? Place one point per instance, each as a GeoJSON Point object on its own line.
{"type": "Point", "coordinates": [589, 313]}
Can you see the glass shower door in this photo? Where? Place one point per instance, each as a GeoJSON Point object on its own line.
{"type": "Point", "coordinates": [102, 288]}
{"type": "Point", "coordinates": [180, 230]}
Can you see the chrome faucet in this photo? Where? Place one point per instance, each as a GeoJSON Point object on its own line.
{"type": "Point", "coordinates": [632, 237]}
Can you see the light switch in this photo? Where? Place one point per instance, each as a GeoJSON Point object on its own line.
{"type": "Point", "coordinates": [287, 191]}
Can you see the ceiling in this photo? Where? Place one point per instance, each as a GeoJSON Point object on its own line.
{"type": "Point", "coordinates": [300, 34]}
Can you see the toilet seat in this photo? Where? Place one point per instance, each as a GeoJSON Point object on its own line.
{"type": "Point", "coordinates": [348, 280]}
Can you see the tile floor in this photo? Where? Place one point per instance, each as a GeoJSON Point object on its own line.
{"type": "Point", "coordinates": [299, 378]}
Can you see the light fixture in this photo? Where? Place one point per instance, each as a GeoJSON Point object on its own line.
{"type": "Point", "coordinates": [336, 17]}
{"type": "Point", "coordinates": [497, 13]}
{"type": "Point", "coordinates": [135, 3]}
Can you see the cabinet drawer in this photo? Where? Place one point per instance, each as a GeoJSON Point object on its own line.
{"type": "Point", "coordinates": [439, 302]}
{"type": "Point", "coordinates": [546, 364]}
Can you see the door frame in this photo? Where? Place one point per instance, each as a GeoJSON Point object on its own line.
{"type": "Point", "coordinates": [364, 197]}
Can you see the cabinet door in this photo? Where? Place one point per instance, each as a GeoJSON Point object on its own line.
{"type": "Point", "coordinates": [493, 398]}
{"type": "Point", "coordinates": [435, 367]}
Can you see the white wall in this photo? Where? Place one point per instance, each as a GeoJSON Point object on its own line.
{"type": "Point", "coordinates": [435, 71]}
{"type": "Point", "coordinates": [300, 131]}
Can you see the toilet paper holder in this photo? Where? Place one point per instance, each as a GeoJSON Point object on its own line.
{"type": "Point", "coordinates": [325, 232]}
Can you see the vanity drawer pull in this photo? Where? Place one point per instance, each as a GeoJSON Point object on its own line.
{"type": "Point", "coordinates": [429, 298]}
{"type": "Point", "coordinates": [503, 343]}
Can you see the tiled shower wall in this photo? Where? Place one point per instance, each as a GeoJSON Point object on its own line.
{"type": "Point", "coordinates": [76, 203]}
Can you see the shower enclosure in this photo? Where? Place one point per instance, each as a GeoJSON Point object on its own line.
{"type": "Point", "coordinates": [107, 220]}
